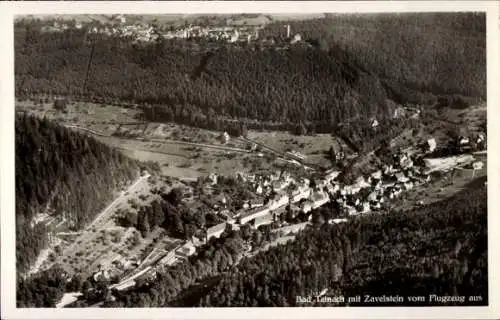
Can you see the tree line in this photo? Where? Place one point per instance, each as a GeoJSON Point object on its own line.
{"type": "Point", "coordinates": [170, 213]}
{"type": "Point", "coordinates": [439, 53]}
{"type": "Point", "coordinates": [62, 173]}
{"type": "Point", "coordinates": [437, 249]}
{"type": "Point", "coordinates": [320, 88]}
{"type": "Point", "coordinates": [440, 249]}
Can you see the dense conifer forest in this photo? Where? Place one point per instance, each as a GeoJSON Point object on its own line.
{"type": "Point", "coordinates": [347, 70]}
{"type": "Point", "coordinates": [64, 174]}
{"type": "Point", "coordinates": [437, 53]}
{"type": "Point", "coordinates": [437, 249]}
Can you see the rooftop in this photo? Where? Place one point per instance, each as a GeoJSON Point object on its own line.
{"type": "Point", "coordinates": [253, 211]}
{"type": "Point", "coordinates": [217, 228]}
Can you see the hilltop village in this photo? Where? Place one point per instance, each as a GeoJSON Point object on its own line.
{"type": "Point", "coordinates": [244, 160]}
{"type": "Point", "coordinates": [145, 32]}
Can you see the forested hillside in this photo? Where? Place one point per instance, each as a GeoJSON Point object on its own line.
{"type": "Point", "coordinates": [434, 52]}
{"type": "Point", "coordinates": [437, 249]}
{"type": "Point", "coordinates": [64, 174]}
{"type": "Point", "coordinates": [352, 69]}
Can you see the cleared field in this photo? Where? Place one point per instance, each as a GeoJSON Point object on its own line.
{"type": "Point", "coordinates": [111, 119]}
{"type": "Point", "coordinates": [467, 122]}
{"type": "Point", "coordinates": [474, 118]}
{"type": "Point", "coordinates": [440, 188]}
{"type": "Point", "coordinates": [311, 146]}
{"type": "Point", "coordinates": [176, 160]}
{"type": "Point", "coordinates": [183, 161]}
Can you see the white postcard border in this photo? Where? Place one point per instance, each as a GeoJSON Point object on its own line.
{"type": "Point", "coordinates": [7, 173]}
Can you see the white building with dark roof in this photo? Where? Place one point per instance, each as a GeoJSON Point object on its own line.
{"type": "Point", "coordinates": [263, 220]}
{"type": "Point", "coordinates": [377, 174]}
{"type": "Point", "coordinates": [364, 207]}
{"type": "Point", "coordinates": [351, 211]}
{"type": "Point", "coordinates": [408, 185]}
{"type": "Point", "coordinates": [337, 221]}
{"type": "Point", "coordinates": [300, 194]}
{"type": "Point", "coordinates": [319, 199]}
{"type": "Point", "coordinates": [186, 250]}
{"type": "Point", "coordinates": [372, 196]}
{"type": "Point", "coordinates": [400, 177]}
{"type": "Point", "coordinates": [331, 175]}
{"type": "Point", "coordinates": [251, 214]}
{"type": "Point", "coordinates": [259, 189]}
{"type": "Point", "coordinates": [216, 230]}
{"type": "Point", "coordinates": [255, 203]}
{"type": "Point", "coordinates": [431, 145]}
{"type": "Point", "coordinates": [463, 141]}
{"type": "Point", "coordinates": [306, 206]}
{"type": "Point", "coordinates": [361, 183]}
{"type": "Point", "coordinates": [278, 201]}
{"type": "Point", "coordinates": [375, 205]}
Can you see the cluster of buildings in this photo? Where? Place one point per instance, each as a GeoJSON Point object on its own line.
{"type": "Point", "coordinates": [130, 270]}
{"type": "Point", "coordinates": [229, 34]}
{"type": "Point", "coordinates": [178, 254]}
{"type": "Point", "coordinates": [141, 31]}
{"type": "Point", "coordinates": [464, 143]}
{"type": "Point", "coordinates": [366, 194]}
{"type": "Point", "coordinates": [58, 26]}
{"type": "Point", "coordinates": [138, 31]}
{"type": "Point", "coordinates": [369, 193]}
{"type": "Point", "coordinates": [116, 269]}
{"type": "Point", "coordinates": [278, 192]}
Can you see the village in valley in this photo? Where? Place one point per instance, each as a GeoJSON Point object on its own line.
{"type": "Point", "coordinates": [267, 185]}
{"type": "Point", "coordinates": [277, 201]}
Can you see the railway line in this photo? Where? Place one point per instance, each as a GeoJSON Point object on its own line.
{"type": "Point", "coordinates": [194, 144]}
{"type": "Point", "coordinates": [280, 154]}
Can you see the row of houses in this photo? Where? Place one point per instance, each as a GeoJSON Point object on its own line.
{"type": "Point", "coordinates": [275, 181]}
{"type": "Point", "coordinates": [386, 183]}
{"type": "Point", "coordinates": [145, 32]}
{"type": "Point", "coordinates": [182, 252]}
{"type": "Point", "coordinates": [149, 32]}
{"type": "Point", "coordinates": [275, 206]}
{"type": "Point", "coordinates": [280, 190]}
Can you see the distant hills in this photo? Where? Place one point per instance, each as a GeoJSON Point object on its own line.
{"type": "Point", "coordinates": [344, 70]}
{"type": "Point", "coordinates": [230, 19]}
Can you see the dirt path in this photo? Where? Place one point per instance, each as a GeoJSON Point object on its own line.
{"type": "Point", "coordinates": [108, 210]}
{"type": "Point", "coordinates": [101, 219]}
{"type": "Point", "coordinates": [42, 257]}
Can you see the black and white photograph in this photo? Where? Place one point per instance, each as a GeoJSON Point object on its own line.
{"type": "Point", "coordinates": [251, 159]}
